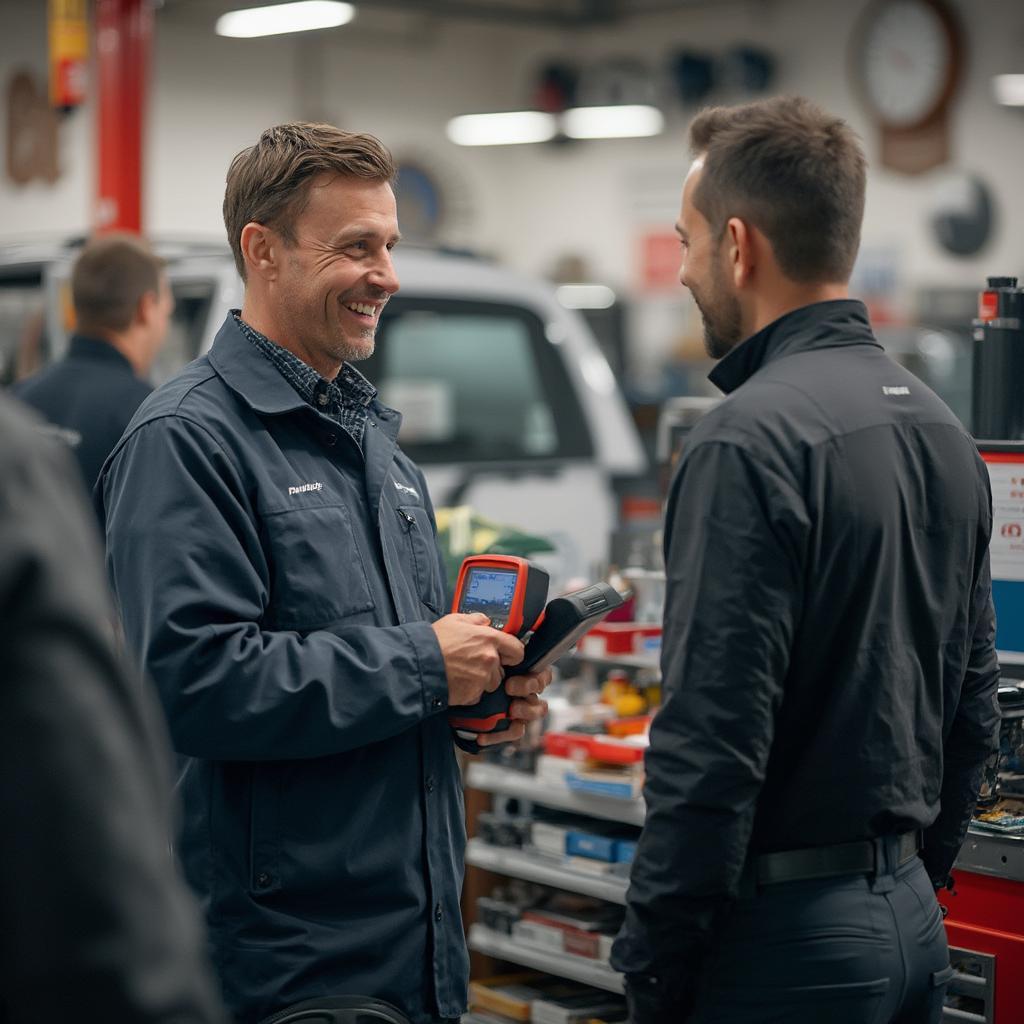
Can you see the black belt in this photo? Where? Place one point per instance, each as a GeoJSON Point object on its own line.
{"type": "Point", "coordinates": [862, 857]}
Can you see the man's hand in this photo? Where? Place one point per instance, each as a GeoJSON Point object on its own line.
{"type": "Point", "coordinates": [526, 707]}
{"type": "Point", "coordinates": [474, 654]}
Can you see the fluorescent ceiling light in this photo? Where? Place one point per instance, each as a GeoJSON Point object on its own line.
{"type": "Point", "coordinates": [585, 296]}
{"type": "Point", "coordinates": [620, 122]}
{"type": "Point", "coordinates": [1009, 90]}
{"type": "Point", "coordinates": [513, 128]}
{"type": "Point", "coordinates": [280, 18]}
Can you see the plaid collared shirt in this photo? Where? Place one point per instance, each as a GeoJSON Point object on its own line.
{"type": "Point", "coordinates": [343, 399]}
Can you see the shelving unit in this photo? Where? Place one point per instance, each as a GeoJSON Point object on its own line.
{"type": "Point", "coordinates": [493, 779]}
{"type": "Point", "coordinates": [565, 965]}
{"type": "Point", "coordinates": [536, 867]}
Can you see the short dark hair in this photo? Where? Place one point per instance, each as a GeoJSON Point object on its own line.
{"type": "Point", "coordinates": [795, 172]}
{"type": "Point", "coordinates": [109, 278]}
{"type": "Point", "coordinates": [269, 183]}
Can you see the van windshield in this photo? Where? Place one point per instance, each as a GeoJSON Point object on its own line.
{"type": "Point", "coordinates": [475, 382]}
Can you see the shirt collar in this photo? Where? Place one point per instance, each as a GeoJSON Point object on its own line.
{"type": "Point", "coordinates": [349, 387]}
{"type": "Point", "coordinates": [820, 325]}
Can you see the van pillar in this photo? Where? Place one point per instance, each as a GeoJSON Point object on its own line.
{"type": "Point", "coordinates": [124, 32]}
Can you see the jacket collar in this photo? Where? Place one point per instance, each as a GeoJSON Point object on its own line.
{"type": "Point", "coordinates": [250, 374]}
{"type": "Point", "coordinates": [82, 346]}
{"type": "Point", "coordinates": [821, 325]}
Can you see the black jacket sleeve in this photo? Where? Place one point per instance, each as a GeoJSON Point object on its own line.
{"type": "Point", "coordinates": [735, 534]}
{"type": "Point", "coordinates": [973, 735]}
{"type": "Point", "coordinates": [95, 922]}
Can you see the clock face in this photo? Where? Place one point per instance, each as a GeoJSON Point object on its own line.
{"type": "Point", "coordinates": [906, 61]}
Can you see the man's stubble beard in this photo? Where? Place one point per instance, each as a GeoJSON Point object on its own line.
{"type": "Point", "coordinates": [721, 318]}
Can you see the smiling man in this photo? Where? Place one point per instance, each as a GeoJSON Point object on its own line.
{"type": "Point", "coordinates": [274, 556]}
{"type": "Point", "coordinates": [828, 662]}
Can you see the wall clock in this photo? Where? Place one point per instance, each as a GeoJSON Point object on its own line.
{"type": "Point", "coordinates": [907, 59]}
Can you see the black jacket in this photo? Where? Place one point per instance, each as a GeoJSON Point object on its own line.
{"type": "Point", "coordinates": [279, 585]}
{"type": "Point", "coordinates": [95, 922]}
{"type": "Point", "coordinates": [829, 662]}
{"type": "Point", "coordinates": [90, 394]}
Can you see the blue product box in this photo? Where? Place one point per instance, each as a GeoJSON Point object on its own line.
{"type": "Point", "coordinates": [625, 850]}
{"type": "Point", "coordinates": [586, 844]}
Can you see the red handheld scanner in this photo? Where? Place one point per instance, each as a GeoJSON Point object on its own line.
{"type": "Point", "coordinates": [512, 593]}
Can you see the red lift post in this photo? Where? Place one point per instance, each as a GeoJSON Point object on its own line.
{"type": "Point", "coordinates": [124, 32]}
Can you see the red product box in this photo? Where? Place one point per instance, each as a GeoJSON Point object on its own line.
{"type": "Point", "coordinates": [608, 638]}
{"type": "Point", "coordinates": [575, 745]}
{"type": "Point", "coordinates": [581, 943]}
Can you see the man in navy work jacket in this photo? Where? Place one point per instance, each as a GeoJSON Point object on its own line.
{"type": "Point", "coordinates": [123, 305]}
{"type": "Point", "coordinates": [273, 553]}
{"type": "Point", "coordinates": [829, 665]}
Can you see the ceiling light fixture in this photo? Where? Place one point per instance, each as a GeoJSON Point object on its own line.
{"type": "Point", "coordinates": [619, 122]}
{"type": "Point", "coordinates": [512, 128]}
{"type": "Point", "coordinates": [1009, 90]}
{"type": "Point", "coordinates": [281, 18]}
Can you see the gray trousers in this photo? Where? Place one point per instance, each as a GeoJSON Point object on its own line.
{"type": "Point", "coordinates": [853, 950]}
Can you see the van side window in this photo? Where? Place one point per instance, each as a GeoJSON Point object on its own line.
{"type": "Point", "coordinates": [475, 382]}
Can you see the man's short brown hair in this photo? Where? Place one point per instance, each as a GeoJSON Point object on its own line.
{"type": "Point", "coordinates": [269, 183]}
{"type": "Point", "coordinates": [792, 170]}
{"type": "Point", "coordinates": [109, 278]}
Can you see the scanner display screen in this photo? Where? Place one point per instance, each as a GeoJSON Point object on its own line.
{"type": "Point", "coordinates": [489, 591]}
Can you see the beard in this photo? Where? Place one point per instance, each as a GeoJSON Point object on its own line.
{"type": "Point", "coordinates": [720, 312]}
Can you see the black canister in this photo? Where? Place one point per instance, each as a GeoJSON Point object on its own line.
{"type": "Point", "coordinates": [997, 378]}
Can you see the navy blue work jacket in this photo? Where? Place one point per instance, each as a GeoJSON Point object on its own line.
{"type": "Point", "coordinates": [90, 395]}
{"type": "Point", "coordinates": [279, 587]}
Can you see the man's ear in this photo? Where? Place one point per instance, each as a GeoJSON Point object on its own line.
{"type": "Point", "coordinates": [741, 249]}
{"type": "Point", "coordinates": [145, 309]}
{"type": "Point", "coordinates": [260, 250]}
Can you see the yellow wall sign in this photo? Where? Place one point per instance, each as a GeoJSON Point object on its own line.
{"type": "Point", "coordinates": [69, 49]}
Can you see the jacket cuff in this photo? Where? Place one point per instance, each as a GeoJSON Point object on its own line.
{"type": "Point", "coordinates": [433, 678]}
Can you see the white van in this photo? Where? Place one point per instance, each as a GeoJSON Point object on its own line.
{"type": "Point", "coordinates": [509, 405]}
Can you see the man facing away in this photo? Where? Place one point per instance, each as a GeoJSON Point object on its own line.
{"type": "Point", "coordinates": [829, 665]}
{"type": "Point", "coordinates": [274, 555]}
{"type": "Point", "coordinates": [123, 304]}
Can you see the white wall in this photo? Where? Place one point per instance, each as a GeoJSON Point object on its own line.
{"type": "Point", "coordinates": [401, 77]}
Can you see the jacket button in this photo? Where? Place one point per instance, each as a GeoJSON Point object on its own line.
{"type": "Point", "coordinates": [263, 880]}
{"type": "Point", "coordinates": [330, 440]}
{"type": "Point", "coordinates": [437, 703]}
{"type": "Point", "coordinates": [437, 912]}
{"type": "Point", "coordinates": [430, 783]}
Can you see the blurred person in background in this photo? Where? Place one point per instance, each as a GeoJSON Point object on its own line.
{"type": "Point", "coordinates": [96, 923]}
{"type": "Point", "coordinates": [829, 664]}
{"type": "Point", "coordinates": [275, 559]}
{"type": "Point", "coordinates": [123, 305]}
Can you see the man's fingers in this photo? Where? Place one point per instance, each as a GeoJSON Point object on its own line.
{"type": "Point", "coordinates": [510, 649]}
{"type": "Point", "coordinates": [528, 709]}
{"type": "Point", "coordinates": [516, 731]}
{"type": "Point", "coordinates": [523, 686]}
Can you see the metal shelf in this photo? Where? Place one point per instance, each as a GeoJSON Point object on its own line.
{"type": "Point", "coordinates": [546, 870]}
{"type": "Point", "coordinates": [493, 779]}
{"type": "Point", "coordinates": [565, 965]}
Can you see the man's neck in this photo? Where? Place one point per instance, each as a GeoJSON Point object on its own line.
{"type": "Point", "coordinates": [259, 318]}
{"type": "Point", "coordinates": [125, 343]}
{"type": "Point", "coordinates": [785, 298]}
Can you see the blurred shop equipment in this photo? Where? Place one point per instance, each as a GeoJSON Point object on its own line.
{"type": "Point", "coordinates": [31, 133]}
{"type": "Point", "coordinates": [998, 365]}
{"type": "Point", "coordinates": [962, 217]}
{"type": "Point", "coordinates": [69, 52]}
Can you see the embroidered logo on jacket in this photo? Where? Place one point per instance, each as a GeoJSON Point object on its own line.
{"type": "Point", "coordinates": [406, 490]}
{"type": "Point", "coordinates": [303, 488]}
{"type": "Point", "coordinates": [902, 390]}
